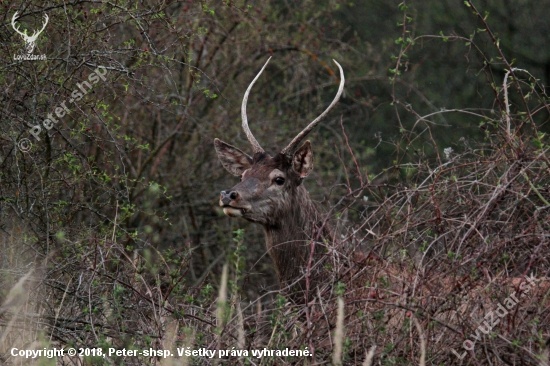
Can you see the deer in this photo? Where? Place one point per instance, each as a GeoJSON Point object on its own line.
{"type": "Point", "coordinates": [271, 193]}
{"type": "Point", "coordinates": [30, 41]}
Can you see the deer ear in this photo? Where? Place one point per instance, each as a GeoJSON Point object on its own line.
{"type": "Point", "coordinates": [302, 162]}
{"type": "Point", "coordinates": [233, 160]}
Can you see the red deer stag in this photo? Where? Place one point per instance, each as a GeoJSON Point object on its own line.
{"type": "Point", "coordinates": [271, 194]}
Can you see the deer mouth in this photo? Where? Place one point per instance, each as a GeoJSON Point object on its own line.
{"type": "Point", "coordinates": [234, 211]}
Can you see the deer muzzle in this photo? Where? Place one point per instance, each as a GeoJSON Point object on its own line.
{"type": "Point", "coordinates": [227, 197]}
{"type": "Point", "coordinates": [228, 200]}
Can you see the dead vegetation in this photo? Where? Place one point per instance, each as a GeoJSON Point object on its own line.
{"type": "Point", "coordinates": [441, 252]}
{"type": "Point", "coordinates": [427, 249]}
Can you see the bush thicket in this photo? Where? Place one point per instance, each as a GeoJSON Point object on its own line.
{"type": "Point", "coordinates": [434, 165]}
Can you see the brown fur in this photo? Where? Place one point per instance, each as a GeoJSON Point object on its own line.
{"type": "Point", "coordinates": [288, 215]}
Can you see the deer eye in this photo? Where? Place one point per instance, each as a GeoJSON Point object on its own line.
{"type": "Point", "coordinates": [280, 181]}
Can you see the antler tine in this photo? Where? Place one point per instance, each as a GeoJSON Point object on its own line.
{"type": "Point", "coordinates": [15, 28]}
{"type": "Point", "coordinates": [36, 33]}
{"type": "Point", "coordinates": [255, 145]}
{"type": "Point", "coordinates": [294, 143]}
{"type": "Point", "coordinates": [44, 26]}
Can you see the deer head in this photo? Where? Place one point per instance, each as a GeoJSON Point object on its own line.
{"type": "Point", "coordinates": [271, 192]}
{"type": "Point", "coordinates": [30, 41]}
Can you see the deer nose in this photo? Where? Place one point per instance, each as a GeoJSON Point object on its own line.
{"type": "Point", "coordinates": [227, 197]}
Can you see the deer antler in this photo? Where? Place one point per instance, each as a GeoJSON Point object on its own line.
{"type": "Point", "coordinates": [13, 18]}
{"type": "Point", "coordinates": [255, 145]}
{"type": "Point", "coordinates": [25, 36]}
{"type": "Point", "coordinates": [294, 143]}
{"type": "Point", "coordinates": [37, 33]}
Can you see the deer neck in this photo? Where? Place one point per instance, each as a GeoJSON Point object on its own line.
{"type": "Point", "coordinates": [288, 240]}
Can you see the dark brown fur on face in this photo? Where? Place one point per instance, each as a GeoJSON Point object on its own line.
{"type": "Point", "coordinates": [271, 194]}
